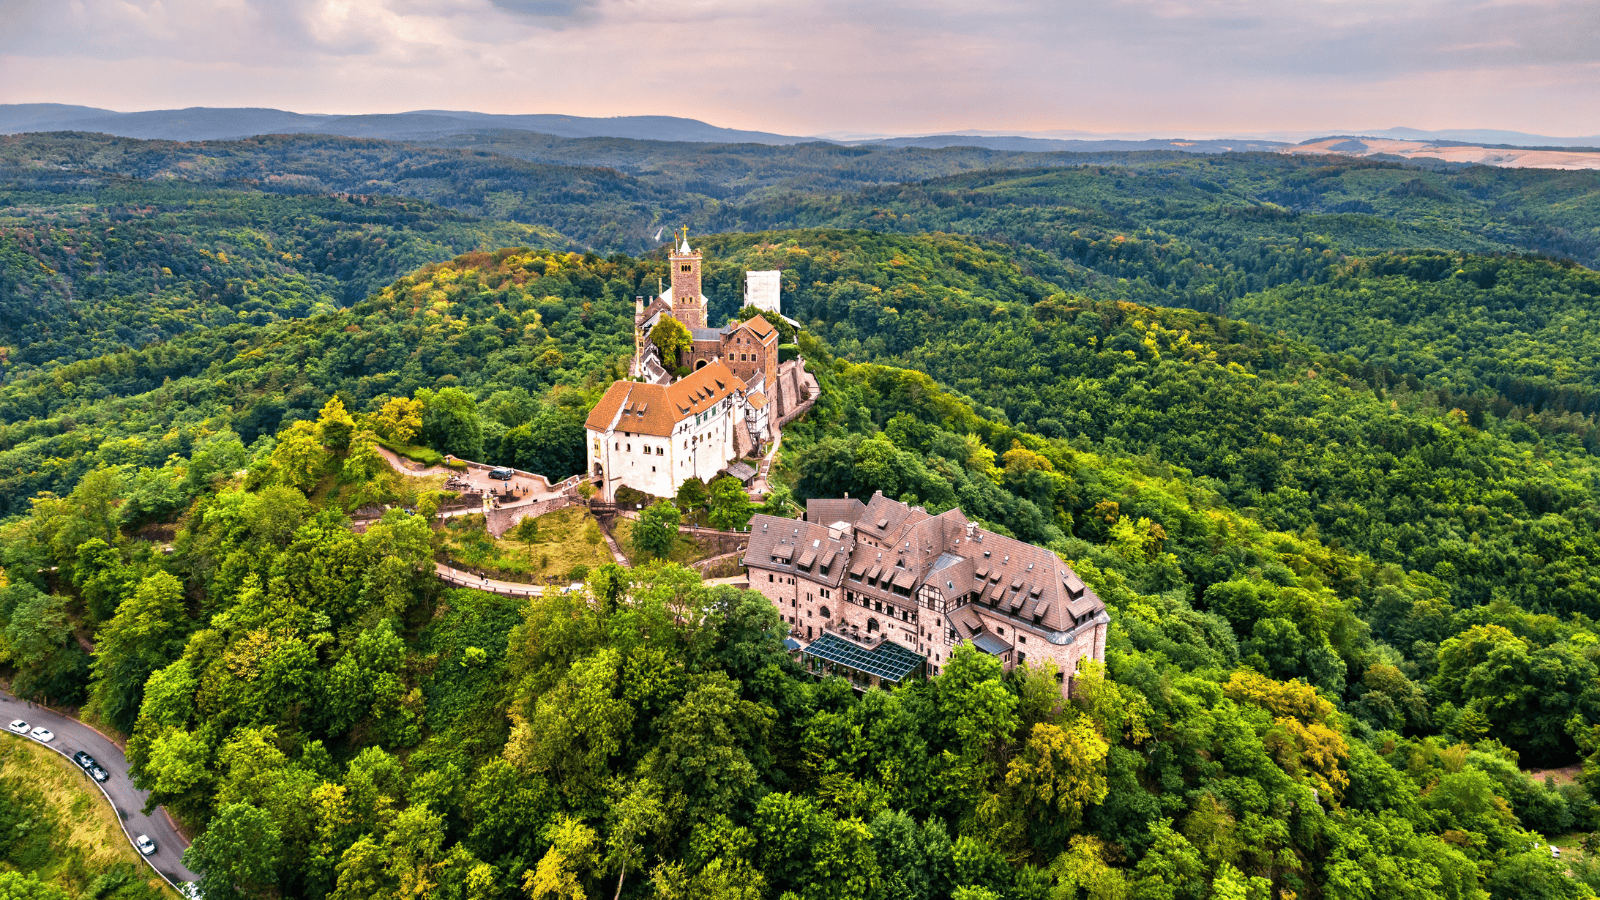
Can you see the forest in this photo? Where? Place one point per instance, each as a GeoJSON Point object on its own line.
{"type": "Point", "coordinates": [1332, 471]}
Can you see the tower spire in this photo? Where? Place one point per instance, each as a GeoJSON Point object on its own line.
{"type": "Point", "coordinates": [684, 247]}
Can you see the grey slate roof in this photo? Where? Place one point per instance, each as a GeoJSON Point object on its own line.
{"type": "Point", "coordinates": [827, 512]}
{"type": "Point", "coordinates": [779, 545]}
{"type": "Point", "coordinates": [990, 644]}
{"type": "Point", "coordinates": [908, 547]}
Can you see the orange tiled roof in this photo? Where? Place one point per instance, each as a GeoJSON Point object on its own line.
{"type": "Point", "coordinates": [760, 326]}
{"type": "Point", "coordinates": [656, 409]}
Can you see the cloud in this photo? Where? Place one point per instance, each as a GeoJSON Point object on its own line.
{"type": "Point", "coordinates": [809, 66]}
{"type": "Point", "coordinates": [561, 9]}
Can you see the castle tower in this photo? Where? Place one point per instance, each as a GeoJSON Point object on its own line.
{"type": "Point", "coordinates": [688, 306]}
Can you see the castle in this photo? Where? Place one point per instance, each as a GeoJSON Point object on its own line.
{"type": "Point", "coordinates": [881, 591]}
{"type": "Point", "coordinates": [655, 432]}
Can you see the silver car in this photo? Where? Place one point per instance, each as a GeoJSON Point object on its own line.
{"type": "Point", "coordinates": [43, 735]}
{"type": "Point", "coordinates": [145, 845]}
{"type": "Point", "coordinates": [19, 726]}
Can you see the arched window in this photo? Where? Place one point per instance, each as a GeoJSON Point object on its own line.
{"type": "Point", "coordinates": [826, 614]}
{"type": "Point", "coordinates": [872, 625]}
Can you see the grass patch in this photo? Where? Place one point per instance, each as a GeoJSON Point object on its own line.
{"type": "Point", "coordinates": [81, 847]}
{"type": "Point", "coordinates": [689, 548]}
{"type": "Point", "coordinates": [568, 538]}
{"type": "Point", "coordinates": [415, 452]}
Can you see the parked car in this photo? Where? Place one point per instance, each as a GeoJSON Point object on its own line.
{"type": "Point", "coordinates": [145, 845]}
{"type": "Point", "coordinates": [1555, 852]}
{"type": "Point", "coordinates": [99, 774]}
{"type": "Point", "coordinates": [43, 735]}
{"type": "Point", "coordinates": [19, 726]}
{"type": "Point", "coordinates": [502, 474]}
{"type": "Point", "coordinates": [83, 760]}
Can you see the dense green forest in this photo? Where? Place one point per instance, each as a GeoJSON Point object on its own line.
{"type": "Point", "coordinates": [1348, 535]}
{"type": "Point", "coordinates": [118, 264]}
{"type": "Point", "coordinates": [1173, 217]}
{"type": "Point", "coordinates": [1286, 708]}
{"type": "Point", "coordinates": [1520, 330]}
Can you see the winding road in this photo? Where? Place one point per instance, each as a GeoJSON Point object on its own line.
{"type": "Point", "coordinates": [127, 800]}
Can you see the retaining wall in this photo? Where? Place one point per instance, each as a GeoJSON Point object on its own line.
{"type": "Point", "coordinates": [500, 521]}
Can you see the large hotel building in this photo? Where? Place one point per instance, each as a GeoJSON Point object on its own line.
{"type": "Point", "coordinates": [881, 591]}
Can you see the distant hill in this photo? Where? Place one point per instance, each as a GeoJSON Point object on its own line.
{"type": "Point", "coordinates": [1458, 153]}
{"type": "Point", "coordinates": [1048, 145]}
{"type": "Point", "coordinates": [1486, 136]}
{"type": "Point", "coordinates": [210, 124]}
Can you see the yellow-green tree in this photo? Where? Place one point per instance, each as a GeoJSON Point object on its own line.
{"type": "Point", "coordinates": [399, 420]}
{"type": "Point", "coordinates": [559, 875]}
{"type": "Point", "coordinates": [299, 459]}
{"type": "Point", "coordinates": [671, 337]}
{"type": "Point", "coordinates": [335, 425]}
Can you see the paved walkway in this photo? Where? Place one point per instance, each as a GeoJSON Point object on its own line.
{"type": "Point", "coordinates": [503, 588]}
{"type": "Point", "coordinates": [738, 581]}
{"type": "Point", "coordinates": [616, 551]}
{"type": "Point", "coordinates": [476, 481]}
{"type": "Point", "coordinates": [125, 799]}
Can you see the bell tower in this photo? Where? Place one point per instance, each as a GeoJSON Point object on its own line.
{"type": "Point", "coordinates": [688, 305]}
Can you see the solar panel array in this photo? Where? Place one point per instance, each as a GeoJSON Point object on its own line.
{"type": "Point", "coordinates": [888, 660]}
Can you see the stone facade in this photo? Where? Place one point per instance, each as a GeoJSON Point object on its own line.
{"type": "Point", "coordinates": [688, 302]}
{"type": "Point", "coordinates": [749, 349]}
{"type": "Point", "coordinates": [884, 571]}
{"type": "Point", "coordinates": [626, 446]}
{"type": "Point", "coordinates": [654, 437]}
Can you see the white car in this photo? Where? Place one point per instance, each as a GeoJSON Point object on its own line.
{"type": "Point", "coordinates": [43, 735]}
{"type": "Point", "coordinates": [19, 726]}
{"type": "Point", "coordinates": [145, 845]}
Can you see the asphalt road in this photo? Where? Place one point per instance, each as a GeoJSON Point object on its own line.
{"type": "Point", "coordinates": [127, 800]}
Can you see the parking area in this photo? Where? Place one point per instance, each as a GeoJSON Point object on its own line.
{"type": "Point", "coordinates": [506, 492]}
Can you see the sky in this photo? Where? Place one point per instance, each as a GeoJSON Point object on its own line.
{"type": "Point", "coordinates": [1196, 68]}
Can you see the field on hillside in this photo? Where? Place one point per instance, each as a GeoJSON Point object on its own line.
{"type": "Point", "coordinates": [73, 841]}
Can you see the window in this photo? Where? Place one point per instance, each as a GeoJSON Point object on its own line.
{"type": "Point", "coordinates": [771, 577]}
{"type": "Point", "coordinates": [685, 268]}
{"type": "Point", "coordinates": [825, 613]}
{"type": "Point", "coordinates": [1022, 639]}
